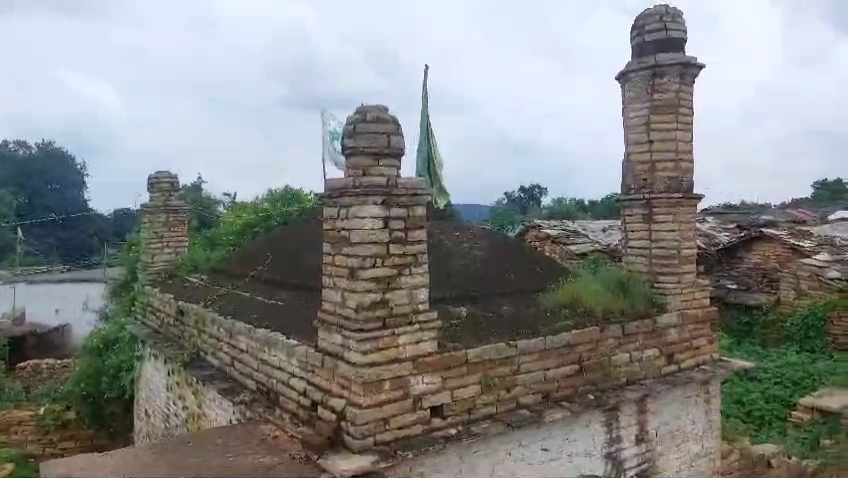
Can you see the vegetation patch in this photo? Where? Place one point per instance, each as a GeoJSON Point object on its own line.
{"type": "Point", "coordinates": [600, 289]}
{"type": "Point", "coordinates": [793, 359]}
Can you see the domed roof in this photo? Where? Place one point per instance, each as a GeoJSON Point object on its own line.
{"type": "Point", "coordinates": [465, 261]}
{"type": "Point", "coordinates": [659, 29]}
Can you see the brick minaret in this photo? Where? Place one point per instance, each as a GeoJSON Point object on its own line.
{"type": "Point", "coordinates": [658, 202]}
{"type": "Point", "coordinates": [375, 313]}
{"type": "Point", "coordinates": [164, 227]}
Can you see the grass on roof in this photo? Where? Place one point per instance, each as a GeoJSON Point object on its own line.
{"type": "Point", "coordinates": [600, 289]}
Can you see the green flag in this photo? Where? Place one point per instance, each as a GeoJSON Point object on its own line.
{"type": "Point", "coordinates": [428, 161]}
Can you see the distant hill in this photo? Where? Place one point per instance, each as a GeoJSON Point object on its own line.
{"type": "Point", "coordinates": [474, 213]}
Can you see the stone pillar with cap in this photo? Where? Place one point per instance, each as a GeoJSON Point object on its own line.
{"type": "Point", "coordinates": [164, 227]}
{"type": "Point", "coordinates": [375, 316]}
{"type": "Point", "coordinates": [658, 202]}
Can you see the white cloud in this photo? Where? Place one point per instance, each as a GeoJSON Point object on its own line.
{"type": "Point", "coordinates": [520, 91]}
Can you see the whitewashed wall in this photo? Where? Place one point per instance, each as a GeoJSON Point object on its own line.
{"type": "Point", "coordinates": [55, 303]}
{"type": "Point", "coordinates": [683, 423]}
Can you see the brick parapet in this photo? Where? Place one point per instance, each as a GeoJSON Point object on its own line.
{"type": "Point", "coordinates": [379, 404]}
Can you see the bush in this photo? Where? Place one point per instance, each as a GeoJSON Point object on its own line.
{"type": "Point", "coordinates": [603, 290]}
{"type": "Point", "coordinates": [101, 388]}
{"type": "Point", "coordinates": [243, 221]}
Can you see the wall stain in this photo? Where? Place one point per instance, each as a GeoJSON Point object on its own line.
{"type": "Point", "coordinates": [644, 440]}
{"type": "Point", "coordinates": [613, 465]}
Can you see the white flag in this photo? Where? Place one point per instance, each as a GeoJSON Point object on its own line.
{"type": "Point", "coordinates": [332, 140]}
{"type": "Point", "coordinates": [20, 234]}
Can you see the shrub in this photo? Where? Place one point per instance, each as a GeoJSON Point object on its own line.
{"type": "Point", "coordinates": [790, 364]}
{"type": "Point", "coordinates": [602, 290]}
{"type": "Point", "coordinates": [246, 220]}
{"type": "Point", "coordinates": [101, 388]}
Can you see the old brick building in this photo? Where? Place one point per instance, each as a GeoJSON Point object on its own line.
{"type": "Point", "coordinates": [381, 339]}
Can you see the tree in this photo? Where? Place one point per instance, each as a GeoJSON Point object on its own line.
{"type": "Point", "coordinates": [205, 208]}
{"type": "Point", "coordinates": [829, 192]}
{"type": "Point", "coordinates": [578, 208]}
{"type": "Point", "coordinates": [123, 222]}
{"type": "Point", "coordinates": [7, 232]}
{"type": "Point", "coordinates": [47, 180]}
{"type": "Point", "coordinates": [526, 199]}
{"type": "Point", "coordinates": [504, 217]}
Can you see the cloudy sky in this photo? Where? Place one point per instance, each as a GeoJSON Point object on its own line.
{"type": "Point", "coordinates": [521, 91]}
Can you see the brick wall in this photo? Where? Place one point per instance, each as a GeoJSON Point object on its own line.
{"type": "Point", "coordinates": [296, 375]}
{"type": "Point", "coordinates": [800, 283]}
{"type": "Point", "coordinates": [48, 433]}
{"type": "Point", "coordinates": [385, 403]}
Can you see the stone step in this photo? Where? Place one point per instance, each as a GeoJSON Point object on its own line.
{"type": "Point", "coordinates": [799, 417]}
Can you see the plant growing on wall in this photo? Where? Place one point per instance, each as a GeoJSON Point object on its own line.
{"type": "Point", "coordinates": [599, 289]}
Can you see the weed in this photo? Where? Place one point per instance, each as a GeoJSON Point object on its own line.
{"type": "Point", "coordinates": [793, 359]}
{"type": "Point", "coordinates": [602, 290]}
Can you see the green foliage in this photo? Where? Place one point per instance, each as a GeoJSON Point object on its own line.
{"type": "Point", "coordinates": [573, 209]}
{"type": "Point", "coordinates": [102, 386]}
{"type": "Point", "coordinates": [793, 359]}
{"type": "Point", "coordinates": [245, 220]}
{"type": "Point", "coordinates": [25, 465]}
{"type": "Point", "coordinates": [602, 290]}
{"type": "Point", "coordinates": [205, 208]}
{"type": "Point", "coordinates": [829, 192]}
{"type": "Point", "coordinates": [526, 199]}
{"type": "Point", "coordinates": [526, 202]}
{"type": "Point", "coordinates": [504, 217]}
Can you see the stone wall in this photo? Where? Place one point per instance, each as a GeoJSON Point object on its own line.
{"type": "Point", "coordinates": [757, 262]}
{"type": "Point", "coordinates": [37, 373]}
{"type": "Point", "coordinates": [48, 433]}
{"type": "Point", "coordinates": [837, 329]}
{"type": "Point", "coordinates": [802, 283]}
{"type": "Point", "coordinates": [171, 401]}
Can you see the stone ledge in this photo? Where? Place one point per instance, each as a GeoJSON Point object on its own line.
{"type": "Point", "coordinates": [344, 464]}
{"type": "Point", "coordinates": [658, 60]}
{"type": "Point", "coordinates": [649, 196]}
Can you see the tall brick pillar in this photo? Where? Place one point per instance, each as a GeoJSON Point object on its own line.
{"type": "Point", "coordinates": [375, 313]}
{"type": "Point", "coordinates": [164, 226]}
{"type": "Point", "coordinates": [658, 202]}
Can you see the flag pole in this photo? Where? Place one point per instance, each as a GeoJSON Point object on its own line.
{"type": "Point", "coordinates": [323, 148]}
